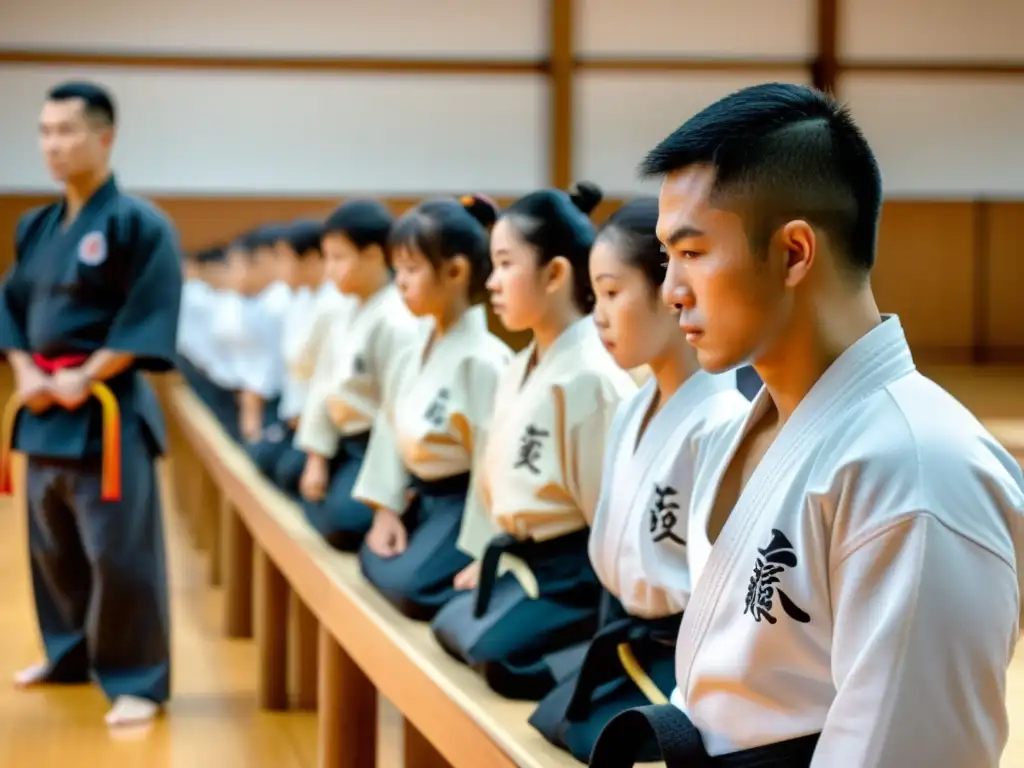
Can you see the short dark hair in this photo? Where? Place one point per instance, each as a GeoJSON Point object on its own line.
{"type": "Point", "coordinates": [632, 229]}
{"type": "Point", "coordinates": [244, 244]}
{"type": "Point", "coordinates": [268, 235]}
{"type": "Point", "coordinates": [558, 223]}
{"type": "Point", "coordinates": [363, 222]}
{"type": "Point", "coordinates": [304, 237]}
{"type": "Point", "coordinates": [444, 229]}
{"type": "Point", "coordinates": [213, 254]}
{"type": "Point", "coordinates": [99, 104]}
{"type": "Point", "coordinates": [784, 152]}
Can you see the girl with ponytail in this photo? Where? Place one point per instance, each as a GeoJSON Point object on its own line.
{"type": "Point", "coordinates": [530, 590]}
{"type": "Point", "coordinates": [424, 451]}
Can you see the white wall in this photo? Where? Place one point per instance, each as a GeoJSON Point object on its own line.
{"type": "Point", "coordinates": [939, 135]}
{"type": "Point", "coordinates": [391, 28]}
{"type": "Point", "coordinates": [936, 30]}
{"type": "Point", "coordinates": [223, 132]}
{"type": "Point", "coordinates": [766, 29]}
{"type": "Point", "coordinates": [620, 116]}
{"type": "Point", "coordinates": [257, 132]}
{"type": "Point", "coordinates": [943, 136]}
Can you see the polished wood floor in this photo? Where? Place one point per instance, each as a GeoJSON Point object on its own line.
{"type": "Point", "coordinates": [213, 720]}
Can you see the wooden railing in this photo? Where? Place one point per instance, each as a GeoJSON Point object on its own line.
{"type": "Point", "coordinates": [326, 639]}
{"type": "Point", "coordinates": [300, 598]}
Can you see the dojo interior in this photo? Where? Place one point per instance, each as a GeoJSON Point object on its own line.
{"type": "Point", "coordinates": [235, 113]}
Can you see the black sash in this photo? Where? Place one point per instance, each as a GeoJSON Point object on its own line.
{"type": "Point", "coordinates": [453, 485]}
{"type": "Point", "coordinates": [681, 746]}
{"type": "Point", "coordinates": [558, 554]}
{"type": "Point", "coordinates": [601, 664]}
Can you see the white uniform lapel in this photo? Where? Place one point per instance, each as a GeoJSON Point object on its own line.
{"type": "Point", "coordinates": [629, 508]}
{"type": "Point", "coordinates": [876, 360]}
{"type": "Point", "coordinates": [427, 394]}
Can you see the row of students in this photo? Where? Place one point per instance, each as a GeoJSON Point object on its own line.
{"type": "Point", "coordinates": [468, 478]}
{"type": "Point", "coordinates": [592, 514]}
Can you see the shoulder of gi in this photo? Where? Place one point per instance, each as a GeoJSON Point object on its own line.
{"type": "Point", "coordinates": [912, 449]}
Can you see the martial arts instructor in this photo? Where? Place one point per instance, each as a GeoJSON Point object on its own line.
{"type": "Point", "coordinates": [91, 302]}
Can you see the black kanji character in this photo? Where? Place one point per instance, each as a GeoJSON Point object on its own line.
{"type": "Point", "coordinates": [774, 559]}
{"type": "Point", "coordinates": [665, 515]}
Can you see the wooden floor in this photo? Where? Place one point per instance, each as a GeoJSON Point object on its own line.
{"type": "Point", "coordinates": [213, 720]}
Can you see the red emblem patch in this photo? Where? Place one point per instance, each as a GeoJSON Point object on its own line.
{"type": "Point", "coordinates": [92, 249]}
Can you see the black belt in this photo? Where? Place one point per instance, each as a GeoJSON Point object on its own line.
{"type": "Point", "coordinates": [525, 549]}
{"type": "Point", "coordinates": [681, 745]}
{"type": "Point", "coordinates": [600, 664]}
{"type": "Point", "coordinates": [499, 545]}
{"type": "Point", "coordinates": [453, 485]}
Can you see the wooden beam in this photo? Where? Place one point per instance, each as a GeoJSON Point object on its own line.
{"type": "Point", "coordinates": [275, 63]}
{"type": "Point", "coordinates": [561, 57]}
{"type": "Point", "coordinates": [622, 64]}
{"type": "Point", "coordinates": [982, 227]}
{"type": "Point", "coordinates": [943, 68]}
{"type": "Point", "coordinates": [825, 70]}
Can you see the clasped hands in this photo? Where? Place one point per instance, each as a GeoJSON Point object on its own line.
{"type": "Point", "coordinates": [69, 388]}
{"type": "Point", "coordinates": [388, 538]}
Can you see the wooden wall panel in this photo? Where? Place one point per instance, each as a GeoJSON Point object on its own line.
{"type": "Point", "coordinates": [925, 273]}
{"type": "Point", "coordinates": [957, 304]}
{"type": "Point", "coordinates": [1004, 288]}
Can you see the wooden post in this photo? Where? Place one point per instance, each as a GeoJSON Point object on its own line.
{"type": "Point", "coordinates": [302, 653]}
{"type": "Point", "coordinates": [237, 574]}
{"type": "Point", "coordinates": [347, 724]}
{"type": "Point", "coordinates": [206, 509]}
{"type": "Point", "coordinates": [561, 58]}
{"type": "Point", "coordinates": [420, 753]}
{"type": "Point", "coordinates": [271, 633]}
{"type": "Point", "coordinates": [217, 516]}
{"type": "Point", "coordinates": [186, 466]}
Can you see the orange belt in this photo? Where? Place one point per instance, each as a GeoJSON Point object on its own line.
{"type": "Point", "coordinates": [111, 469]}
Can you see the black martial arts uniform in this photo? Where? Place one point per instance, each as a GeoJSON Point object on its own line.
{"type": "Point", "coordinates": [111, 279]}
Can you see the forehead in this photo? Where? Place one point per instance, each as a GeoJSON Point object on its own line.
{"type": "Point", "coordinates": [605, 257]}
{"type": "Point", "coordinates": [684, 199]}
{"type": "Point", "coordinates": [502, 236]}
{"type": "Point", "coordinates": [65, 110]}
{"type": "Point", "coordinates": [335, 240]}
{"type": "Point", "coordinates": [404, 253]}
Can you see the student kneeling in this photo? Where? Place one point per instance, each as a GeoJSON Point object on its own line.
{"type": "Point", "coordinates": [541, 472]}
{"type": "Point", "coordinates": [348, 386]}
{"type": "Point", "coordinates": [433, 426]}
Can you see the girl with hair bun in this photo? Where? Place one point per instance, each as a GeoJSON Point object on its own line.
{"type": "Point", "coordinates": [531, 590]}
{"type": "Point", "coordinates": [638, 539]}
{"type": "Point", "coordinates": [432, 426]}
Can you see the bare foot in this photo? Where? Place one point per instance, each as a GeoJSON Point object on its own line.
{"type": "Point", "coordinates": [131, 710]}
{"type": "Point", "coordinates": [31, 676]}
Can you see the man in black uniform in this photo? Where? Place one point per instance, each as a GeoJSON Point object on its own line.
{"type": "Point", "coordinates": [90, 303]}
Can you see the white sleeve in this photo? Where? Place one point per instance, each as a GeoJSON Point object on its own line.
{"type": "Point", "coordinates": [586, 454]}
{"type": "Point", "coordinates": [925, 623]}
{"type": "Point", "coordinates": [383, 479]}
{"type": "Point", "coordinates": [263, 366]}
{"type": "Point", "coordinates": [187, 321]}
{"type": "Point", "coordinates": [302, 356]}
{"type": "Point", "coordinates": [599, 521]}
{"type": "Point", "coordinates": [316, 432]}
{"type": "Point", "coordinates": [477, 527]}
{"type": "Point", "coordinates": [226, 325]}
